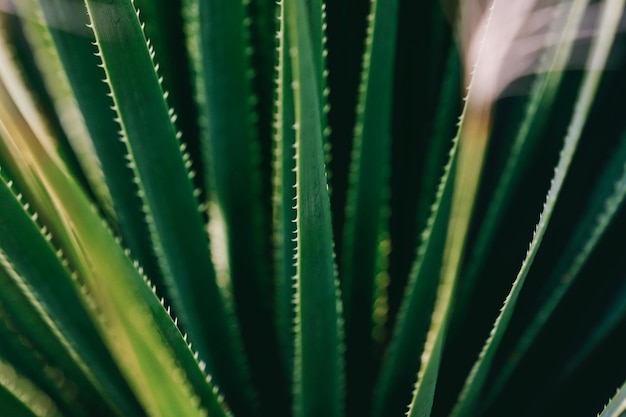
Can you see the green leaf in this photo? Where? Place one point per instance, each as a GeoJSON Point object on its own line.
{"type": "Point", "coordinates": [472, 138]}
{"type": "Point", "coordinates": [58, 84]}
{"type": "Point", "coordinates": [67, 22]}
{"type": "Point", "coordinates": [220, 49]}
{"type": "Point", "coordinates": [111, 290]}
{"type": "Point", "coordinates": [284, 194]}
{"type": "Point", "coordinates": [457, 230]}
{"type": "Point", "coordinates": [364, 274]}
{"type": "Point", "coordinates": [19, 396]}
{"type": "Point", "coordinates": [18, 135]}
{"type": "Point", "coordinates": [601, 46]}
{"type": "Point", "coordinates": [617, 406]}
{"type": "Point", "coordinates": [263, 35]}
{"type": "Point", "coordinates": [164, 26]}
{"type": "Point", "coordinates": [318, 373]}
{"type": "Point", "coordinates": [135, 326]}
{"type": "Point", "coordinates": [21, 354]}
{"type": "Point", "coordinates": [605, 202]}
{"type": "Point", "coordinates": [316, 16]}
{"type": "Point", "coordinates": [401, 362]}
{"type": "Point", "coordinates": [526, 141]}
{"type": "Point", "coordinates": [45, 341]}
{"type": "Point", "coordinates": [171, 208]}
{"type": "Point", "coordinates": [442, 131]}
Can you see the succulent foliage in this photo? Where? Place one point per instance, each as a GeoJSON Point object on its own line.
{"type": "Point", "coordinates": [257, 208]}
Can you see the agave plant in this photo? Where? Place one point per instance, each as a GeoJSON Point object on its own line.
{"type": "Point", "coordinates": [251, 208]}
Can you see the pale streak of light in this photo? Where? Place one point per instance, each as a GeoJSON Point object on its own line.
{"type": "Point", "coordinates": [523, 33]}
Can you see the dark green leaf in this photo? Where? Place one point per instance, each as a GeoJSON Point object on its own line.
{"type": "Point", "coordinates": [364, 274]}
{"type": "Point", "coordinates": [601, 47]}
{"type": "Point", "coordinates": [318, 369]}
{"type": "Point", "coordinates": [171, 208]}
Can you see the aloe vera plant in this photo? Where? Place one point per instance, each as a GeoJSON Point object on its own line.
{"type": "Point", "coordinates": [310, 208]}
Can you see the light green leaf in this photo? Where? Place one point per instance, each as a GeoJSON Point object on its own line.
{"type": "Point", "coordinates": [67, 22]}
{"type": "Point", "coordinates": [472, 137]}
{"type": "Point", "coordinates": [46, 331]}
{"type": "Point", "coordinates": [18, 136]}
{"type": "Point", "coordinates": [111, 290]}
{"type": "Point", "coordinates": [112, 287]}
{"type": "Point", "coordinates": [19, 396]}
{"type": "Point", "coordinates": [617, 406]}
{"type": "Point", "coordinates": [48, 59]}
